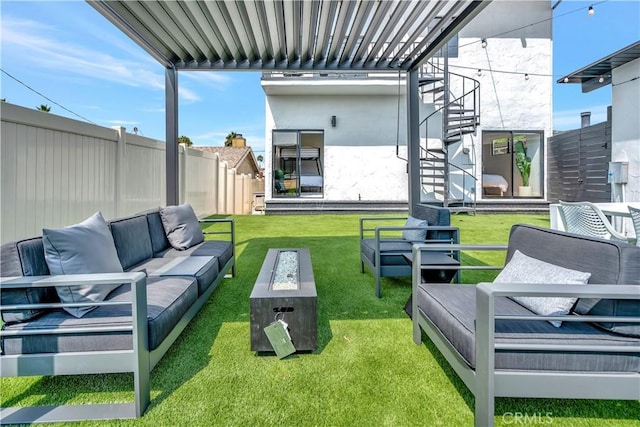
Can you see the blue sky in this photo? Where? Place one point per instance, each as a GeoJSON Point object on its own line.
{"type": "Point", "coordinates": [72, 55]}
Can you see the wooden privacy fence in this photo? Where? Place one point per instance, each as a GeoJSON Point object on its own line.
{"type": "Point", "coordinates": [58, 171]}
{"type": "Point", "coordinates": [578, 162]}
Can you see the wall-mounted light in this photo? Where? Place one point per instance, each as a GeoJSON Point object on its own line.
{"type": "Point", "coordinates": [484, 43]}
{"type": "Point", "coordinates": [334, 121]}
{"type": "Point", "coordinates": [591, 10]}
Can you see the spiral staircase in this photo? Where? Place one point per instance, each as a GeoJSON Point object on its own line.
{"type": "Point", "coordinates": [456, 99]}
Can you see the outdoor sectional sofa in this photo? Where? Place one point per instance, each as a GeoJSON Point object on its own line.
{"type": "Point", "coordinates": [499, 347]}
{"type": "Point", "coordinates": [159, 291]}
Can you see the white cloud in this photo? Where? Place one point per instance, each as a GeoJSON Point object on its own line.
{"type": "Point", "coordinates": [208, 78]}
{"type": "Point", "coordinates": [187, 94]}
{"type": "Point", "coordinates": [29, 42]}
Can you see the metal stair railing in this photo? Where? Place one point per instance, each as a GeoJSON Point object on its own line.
{"type": "Point", "coordinates": [430, 157]}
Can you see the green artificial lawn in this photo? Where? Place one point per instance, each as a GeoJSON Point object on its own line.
{"type": "Point", "coordinates": [366, 372]}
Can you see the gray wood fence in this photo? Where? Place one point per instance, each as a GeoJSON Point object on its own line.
{"type": "Point", "coordinates": [578, 162]}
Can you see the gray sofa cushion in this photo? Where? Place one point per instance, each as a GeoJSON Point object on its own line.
{"type": "Point", "coordinates": [86, 247]}
{"type": "Point", "coordinates": [452, 310]}
{"type": "Point", "coordinates": [203, 268]}
{"type": "Point", "coordinates": [395, 246]}
{"type": "Point", "coordinates": [168, 299]}
{"type": "Point", "coordinates": [609, 262]}
{"type": "Point", "coordinates": [159, 240]}
{"type": "Point", "coordinates": [181, 226]}
{"type": "Point", "coordinates": [24, 258]}
{"type": "Point", "coordinates": [132, 240]}
{"type": "Point", "coordinates": [211, 248]}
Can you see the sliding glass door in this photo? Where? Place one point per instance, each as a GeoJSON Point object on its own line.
{"type": "Point", "coordinates": [512, 164]}
{"type": "Point", "coordinates": [297, 163]}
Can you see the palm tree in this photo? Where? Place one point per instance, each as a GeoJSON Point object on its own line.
{"type": "Point", "coordinates": [228, 141]}
{"type": "Point", "coordinates": [43, 107]}
{"type": "Point", "coordinates": [185, 140]}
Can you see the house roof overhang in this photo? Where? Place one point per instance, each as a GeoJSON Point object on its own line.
{"type": "Point", "coordinates": [371, 35]}
{"type": "Point", "coordinates": [598, 74]}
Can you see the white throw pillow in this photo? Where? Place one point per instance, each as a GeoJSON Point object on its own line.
{"type": "Point", "coordinates": [524, 269]}
{"type": "Point", "coordinates": [82, 248]}
{"type": "Point", "coordinates": [181, 226]}
{"type": "Point", "coordinates": [415, 235]}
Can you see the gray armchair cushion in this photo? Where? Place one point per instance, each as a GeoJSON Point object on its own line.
{"type": "Point", "coordinates": [86, 247]}
{"type": "Point", "coordinates": [452, 309]}
{"type": "Point", "coordinates": [415, 235]}
{"type": "Point", "coordinates": [608, 262]}
{"type": "Point", "coordinates": [181, 226]}
{"type": "Point", "coordinates": [524, 269]}
{"type": "Point", "coordinates": [391, 251]}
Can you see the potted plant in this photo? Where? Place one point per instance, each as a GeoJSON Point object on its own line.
{"type": "Point", "coordinates": [523, 163]}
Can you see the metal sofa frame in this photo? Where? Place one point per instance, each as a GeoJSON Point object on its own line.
{"type": "Point", "coordinates": [485, 382]}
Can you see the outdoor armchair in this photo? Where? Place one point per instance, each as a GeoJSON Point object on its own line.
{"type": "Point", "coordinates": [501, 348]}
{"type": "Point", "coordinates": [587, 219]}
{"type": "Point", "coordinates": [384, 250]}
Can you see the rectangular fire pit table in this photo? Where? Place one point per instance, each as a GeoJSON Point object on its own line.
{"type": "Point", "coordinates": [285, 289]}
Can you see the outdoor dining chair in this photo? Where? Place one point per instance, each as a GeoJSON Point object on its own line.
{"type": "Point", "coordinates": [587, 219]}
{"type": "Point", "coordinates": [635, 218]}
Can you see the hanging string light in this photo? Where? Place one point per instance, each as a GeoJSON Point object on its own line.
{"type": "Point", "coordinates": [479, 72]}
{"type": "Point", "coordinates": [484, 43]}
{"type": "Point", "coordinates": [591, 10]}
{"type": "Point", "coordinates": [526, 76]}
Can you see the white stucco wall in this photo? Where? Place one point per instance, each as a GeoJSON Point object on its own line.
{"type": "Point", "coordinates": [360, 152]}
{"type": "Point", "coordinates": [508, 100]}
{"type": "Point", "coordinates": [625, 125]}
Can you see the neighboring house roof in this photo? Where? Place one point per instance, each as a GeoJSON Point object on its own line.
{"type": "Point", "coordinates": [233, 155]}
{"type": "Point", "coordinates": [598, 74]}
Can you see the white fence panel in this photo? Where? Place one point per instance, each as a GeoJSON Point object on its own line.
{"type": "Point", "coordinates": [53, 174]}
{"type": "Point", "coordinates": [143, 185]}
{"type": "Point", "coordinates": [199, 173]}
{"type": "Point", "coordinates": [57, 171]}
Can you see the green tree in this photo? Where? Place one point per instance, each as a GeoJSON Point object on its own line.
{"type": "Point", "coordinates": [43, 107]}
{"type": "Point", "coordinates": [228, 141]}
{"type": "Point", "coordinates": [185, 140]}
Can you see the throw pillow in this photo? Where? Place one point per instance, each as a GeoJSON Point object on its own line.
{"type": "Point", "coordinates": [82, 248]}
{"type": "Point", "coordinates": [524, 269]}
{"type": "Point", "coordinates": [181, 226]}
{"type": "Point", "coordinates": [415, 235]}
